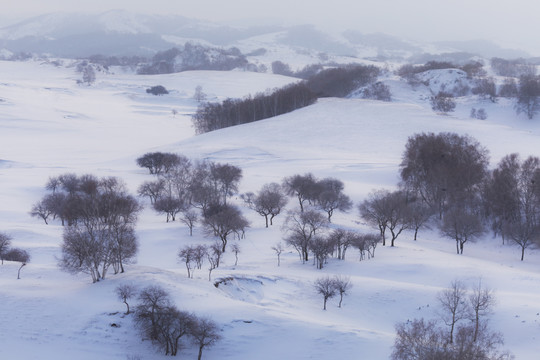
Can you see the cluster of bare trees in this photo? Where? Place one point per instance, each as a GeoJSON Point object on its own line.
{"type": "Point", "coordinates": [194, 256]}
{"type": "Point", "coordinates": [100, 218]}
{"type": "Point", "coordinates": [446, 182]}
{"type": "Point", "coordinates": [328, 287]}
{"type": "Point", "coordinates": [12, 254]}
{"type": "Point", "coordinates": [161, 322]}
{"type": "Point", "coordinates": [197, 191]}
{"type": "Point", "coordinates": [462, 332]}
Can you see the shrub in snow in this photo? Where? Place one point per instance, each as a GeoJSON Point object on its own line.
{"type": "Point", "coordinates": [157, 90]}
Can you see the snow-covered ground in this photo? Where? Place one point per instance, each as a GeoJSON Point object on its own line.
{"type": "Point", "coordinates": [49, 125]}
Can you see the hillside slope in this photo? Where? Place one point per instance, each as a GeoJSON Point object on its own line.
{"type": "Point", "coordinates": [50, 126]}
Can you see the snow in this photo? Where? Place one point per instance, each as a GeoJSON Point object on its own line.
{"type": "Point", "coordinates": [49, 125]}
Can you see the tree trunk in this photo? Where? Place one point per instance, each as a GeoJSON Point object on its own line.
{"type": "Point", "coordinates": [200, 352]}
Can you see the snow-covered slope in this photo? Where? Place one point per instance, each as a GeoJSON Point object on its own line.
{"type": "Point", "coordinates": [49, 126]}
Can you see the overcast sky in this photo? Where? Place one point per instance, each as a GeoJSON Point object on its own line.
{"type": "Point", "coordinates": [509, 23]}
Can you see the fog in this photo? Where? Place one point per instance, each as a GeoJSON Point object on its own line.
{"type": "Point", "coordinates": [509, 24]}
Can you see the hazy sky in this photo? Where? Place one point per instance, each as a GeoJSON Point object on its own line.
{"type": "Point", "coordinates": [509, 23]}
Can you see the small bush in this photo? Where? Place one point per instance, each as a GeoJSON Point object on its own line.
{"type": "Point", "coordinates": [157, 90]}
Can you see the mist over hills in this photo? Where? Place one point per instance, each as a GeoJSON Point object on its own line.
{"type": "Point", "coordinates": [125, 33]}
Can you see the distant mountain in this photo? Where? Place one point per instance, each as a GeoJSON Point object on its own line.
{"type": "Point", "coordinates": [115, 32]}
{"type": "Point", "coordinates": [120, 33]}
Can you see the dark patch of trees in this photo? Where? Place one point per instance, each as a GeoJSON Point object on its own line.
{"type": "Point", "coordinates": [528, 96]}
{"type": "Point", "coordinates": [231, 112]}
{"type": "Point", "coordinates": [443, 102]}
{"type": "Point", "coordinates": [268, 202]}
{"type": "Point", "coordinates": [338, 82]}
{"type": "Point", "coordinates": [512, 68]}
{"type": "Point", "coordinates": [194, 57]}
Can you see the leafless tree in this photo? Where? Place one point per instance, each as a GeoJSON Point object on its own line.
{"type": "Point", "coordinates": [170, 206]}
{"type": "Point", "coordinates": [214, 257]}
{"type": "Point", "coordinates": [325, 286]}
{"type": "Point", "coordinates": [481, 301]}
{"type": "Point", "coordinates": [301, 227]}
{"type": "Point", "coordinates": [187, 256]}
{"type": "Point", "coordinates": [303, 187]}
{"type": "Point", "coordinates": [443, 169]}
{"type": "Point", "coordinates": [41, 210]}
{"type": "Point", "coordinates": [158, 162]}
{"type": "Point", "coordinates": [374, 212]}
{"type": "Point", "coordinates": [512, 198]}
{"type": "Point", "coordinates": [528, 98]}
{"type": "Point", "coordinates": [278, 249]}
{"type": "Point", "coordinates": [18, 255]}
{"type": "Point", "coordinates": [454, 306]}
{"type": "Point", "coordinates": [5, 243]}
{"type": "Point", "coordinates": [462, 224]}
{"type": "Point", "coordinates": [443, 102]}
{"type": "Point", "coordinates": [342, 284]}
{"type": "Point", "coordinates": [190, 218]}
{"type": "Point", "coordinates": [235, 248]}
{"type": "Point", "coordinates": [204, 333]}
{"type": "Point", "coordinates": [224, 220]}
{"type": "Point", "coordinates": [160, 321]}
{"type": "Point", "coordinates": [330, 197]}
{"type": "Point", "coordinates": [269, 201]}
{"type": "Point", "coordinates": [321, 247]}
{"type": "Point", "coordinates": [124, 293]}
{"type": "Point", "coordinates": [153, 189]}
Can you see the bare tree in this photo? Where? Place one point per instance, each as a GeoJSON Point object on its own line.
{"type": "Point", "coordinates": [124, 293]}
{"type": "Point", "coordinates": [512, 198]}
{"type": "Point", "coordinates": [158, 162]}
{"type": "Point", "coordinates": [269, 201]}
{"type": "Point", "coordinates": [462, 224]}
{"type": "Point", "coordinates": [41, 210]}
{"type": "Point", "coordinates": [331, 197]}
{"type": "Point", "coordinates": [301, 227]}
{"type": "Point", "coordinates": [190, 218]}
{"type": "Point", "coordinates": [187, 256]}
{"type": "Point", "coordinates": [160, 321]}
{"type": "Point", "coordinates": [169, 205]}
{"type": "Point", "coordinates": [214, 257]}
{"type": "Point", "coordinates": [235, 248]}
{"type": "Point", "coordinates": [454, 306]}
{"type": "Point", "coordinates": [443, 102]}
{"type": "Point", "coordinates": [325, 286]}
{"type": "Point", "coordinates": [321, 247]}
{"type": "Point", "coordinates": [443, 169]}
{"type": "Point", "coordinates": [481, 301]}
{"type": "Point", "coordinates": [342, 284]}
{"type": "Point", "coordinates": [278, 249]}
{"type": "Point", "coordinates": [223, 220]}
{"type": "Point", "coordinates": [528, 98]}
{"type": "Point", "coordinates": [152, 189]}
{"type": "Point", "coordinates": [303, 187]}
{"type": "Point", "coordinates": [374, 212]}
{"type": "Point", "coordinates": [5, 243]}
{"type": "Point", "coordinates": [204, 333]}
{"type": "Point", "coordinates": [18, 255]}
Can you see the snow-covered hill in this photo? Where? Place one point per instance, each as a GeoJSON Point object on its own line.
{"type": "Point", "coordinates": [50, 126]}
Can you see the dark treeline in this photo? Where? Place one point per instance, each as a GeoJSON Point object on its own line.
{"type": "Point", "coordinates": [194, 57]}
{"type": "Point", "coordinates": [231, 112]}
{"type": "Point", "coordinates": [335, 82]}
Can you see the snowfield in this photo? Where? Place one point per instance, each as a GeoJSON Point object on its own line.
{"type": "Point", "coordinates": [49, 125]}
